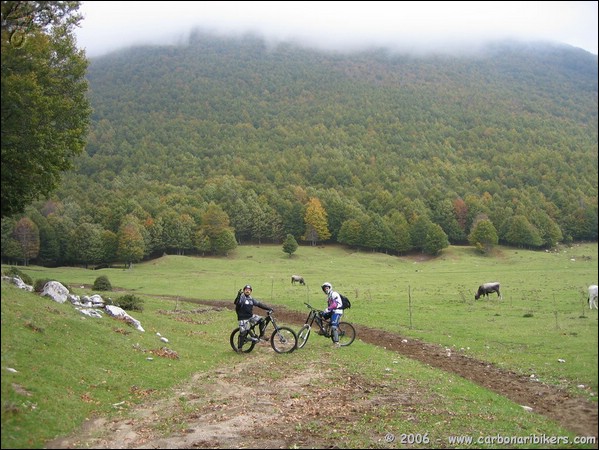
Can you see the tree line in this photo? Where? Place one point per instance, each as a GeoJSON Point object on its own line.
{"type": "Point", "coordinates": [62, 235]}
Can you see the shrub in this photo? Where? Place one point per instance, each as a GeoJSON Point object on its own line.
{"type": "Point", "coordinates": [102, 284]}
{"type": "Point", "coordinates": [39, 284]}
{"type": "Point", "coordinates": [130, 302]}
{"type": "Point", "coordinates": [14, 272]}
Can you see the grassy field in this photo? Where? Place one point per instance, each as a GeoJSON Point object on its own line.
{"type": "Point", "coordinates": [70, 367]}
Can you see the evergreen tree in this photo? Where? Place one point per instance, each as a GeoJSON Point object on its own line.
{"type": "Point", "coordinates": [290, 245]}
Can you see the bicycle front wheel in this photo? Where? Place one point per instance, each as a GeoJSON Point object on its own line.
{"type": "Point", "coordinates": [347, 334]}
{"type": "Point", "coordinates": [303, 335]}
{"type": "Point", "coordinates": [240, 347]}
{"type": "Point", "coordinates": [283, 340]}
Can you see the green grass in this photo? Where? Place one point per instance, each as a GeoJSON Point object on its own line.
{"type": "Point", "coordinates": [430, 300]}
{"type": "Point", "coordinates": [71, 367]}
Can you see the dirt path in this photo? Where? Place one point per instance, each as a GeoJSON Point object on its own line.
{"type": "Point", "coordinates": [226, 414]}
{"type": "Point", "coordinates": [576, 414]}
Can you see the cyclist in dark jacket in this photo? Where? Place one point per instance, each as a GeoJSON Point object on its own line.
{"type": "Point", "coordinates": [245, 312]}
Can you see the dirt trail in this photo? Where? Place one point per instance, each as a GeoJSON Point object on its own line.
{"type": "Point", "coordinates": [573, 413]}
{"type": "Point", "coordinates": [225, 412]}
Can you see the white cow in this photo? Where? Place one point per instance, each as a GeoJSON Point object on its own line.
{"type": "Point", "coordinates": [488, 288]}
{"type": "Point", "coordinates": [593, 296]}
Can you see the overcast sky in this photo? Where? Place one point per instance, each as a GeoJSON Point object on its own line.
{"type": "Point", "coordinates": [110, 25]}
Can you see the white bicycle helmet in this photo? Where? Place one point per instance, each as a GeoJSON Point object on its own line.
{"type": "Point", "coordinates": [325, 286]}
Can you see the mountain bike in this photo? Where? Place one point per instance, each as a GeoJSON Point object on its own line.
{"type": "Point", "coordinates": [346, 331]}
{"type": "Point", "coordinates": [282, 339]}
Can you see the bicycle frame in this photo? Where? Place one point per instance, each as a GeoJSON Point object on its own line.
{"type": "Point", "coordinates": [282, 339]}
{"type": "Point", "coordinates": [347, 333]}
{"type": "Point", "coordinates": [324, 325]}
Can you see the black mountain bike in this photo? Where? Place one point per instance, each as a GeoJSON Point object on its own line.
{"type": "Point", "coordinates": [346, 331]}
{"type": "Point", "coordinates": [282, 339]}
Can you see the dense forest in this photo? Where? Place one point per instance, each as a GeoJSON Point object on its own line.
{"type": "Point", "coordinates": [197, 148]}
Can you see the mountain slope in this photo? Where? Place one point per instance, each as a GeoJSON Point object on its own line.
{"type": "Point", "coordinates": [219, 117]}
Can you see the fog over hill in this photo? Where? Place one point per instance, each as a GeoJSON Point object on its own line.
{"type": "Point", "coordinates": [417, 27]}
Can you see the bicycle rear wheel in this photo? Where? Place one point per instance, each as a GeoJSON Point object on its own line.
{"type": "Point", "coordinates": [283, 340]}
{"type": "Point", "coordinates": [245, 347]}
{"type": "Point", "coordinates": [303, 335]}
{"type": "Point", "coordinates": [347, 334]}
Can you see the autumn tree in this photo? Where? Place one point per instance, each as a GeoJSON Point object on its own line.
{"type": "Point", "coordinates": [215, 232]}
{"type": "Point", "coordinates": [45, 111]}
{"type": "Point", "coordinates": [214, 220]}
{"type": "Point", "coordinates": [316, 222]}
{"type": "Point", "coordinates": [460, 209]}
{"type": "Point", "coordinates": [131, 245]}
{"type": "Point", "coordinates": [26, 233]}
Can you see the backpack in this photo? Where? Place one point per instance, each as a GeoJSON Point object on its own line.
{"type": "Point", "coordinates": [345, 303]}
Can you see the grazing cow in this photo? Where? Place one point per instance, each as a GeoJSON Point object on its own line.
{"type": "Point", "coordinates": [593, 296]}
{"type": "Point", "coordinates": [297, 279]}
{"type": "Point", "coordinates": [486, 289]}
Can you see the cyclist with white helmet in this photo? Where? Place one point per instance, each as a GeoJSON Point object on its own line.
{"type": "Point", "coordinates": [333, 310]}
{"type": "Point", "coordinates": [245, 312]}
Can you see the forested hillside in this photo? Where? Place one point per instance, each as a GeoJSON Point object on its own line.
{"type": "Point", "coordinates": [197, 147]}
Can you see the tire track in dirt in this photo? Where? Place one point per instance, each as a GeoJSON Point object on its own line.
{"type": "Point", "coordinates": [577, 414]}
